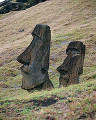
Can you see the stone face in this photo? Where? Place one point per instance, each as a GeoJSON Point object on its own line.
{"type": "Point", "coordinates": [72, 66]}
{"type": "Point", "coordinates": [35, 60]}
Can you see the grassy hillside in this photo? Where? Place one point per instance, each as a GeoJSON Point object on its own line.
{"type": "Point", "coordinates": [69, 20]}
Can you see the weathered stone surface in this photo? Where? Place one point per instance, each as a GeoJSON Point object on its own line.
{"type": "Point", "coordinates": [72, 66]}
{"type": "Point", "coordinates": [11, 5]}
{"type": "Point", "coordinates": [35, 60]}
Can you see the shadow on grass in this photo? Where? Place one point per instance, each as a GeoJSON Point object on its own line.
{"type": "Point", "coordinates": [44, 103]}
{"type": "Point", "coordinates": [34, 102]}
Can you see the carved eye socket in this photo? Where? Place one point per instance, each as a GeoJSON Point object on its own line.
{"type": "Point", "coordinates": [38, 30]}
{"type": "Point", "coordinates": [43, 70]}
{"type": "Point", "coordinates": [68, 52]}
{"type": "Point", "coordinates": [73, 51]}
{"type": "Point", "coordinates": [63, 72]}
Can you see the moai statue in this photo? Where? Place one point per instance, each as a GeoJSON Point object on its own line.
{"type": "Point", "coordinates": [72, 66]}
{"type": "Point", "coordinates": [35, 60]}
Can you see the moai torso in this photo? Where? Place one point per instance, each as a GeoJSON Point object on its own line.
{"type": "Point", "coordinates": [72, 66]}
{"type": "Point", "coordinates": [35, 60]}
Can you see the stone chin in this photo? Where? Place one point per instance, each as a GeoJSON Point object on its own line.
{"type": "Point", "coordinates": [33, 76]}
{"type": "Point", "coordinates": [30, 81]}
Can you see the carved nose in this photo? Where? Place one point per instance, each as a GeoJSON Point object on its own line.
{"type": "Point", "coordinates": [62, 71]}
{"type": "Point", "coordinates": [25, 57]}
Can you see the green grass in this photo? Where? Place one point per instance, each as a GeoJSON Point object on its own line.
{"type": "Point", "coordinates": [24, 95]}
{"type": "Point", "coordinates": [87, 107]}
{"type": "Point", "coordinates": [11, 75]}
{"type": "Point", "coordinates": [75, 96]}
{"type": "Point", "coordinates": [76, 34]}
{"type": "Point", "coordinates": [25, 111]}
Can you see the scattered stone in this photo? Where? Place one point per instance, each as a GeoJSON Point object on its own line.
{"type": "Point", "coordinates": [83, 116]}
{"type": "Point", "coordinates": [50, 118]}
{"type": "Point", "coordinates": [72, 66]}
{"type": "Point", "coordinates": [35, 60]}
{"type": "Point", "coordinates": [21, 30]}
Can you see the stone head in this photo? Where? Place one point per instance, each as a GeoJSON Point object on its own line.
{"type": "Point", "coordinates": [41, 31]}
{"type": "Point", "coordinates": [41, 35]}
{"type": "Point", "coordinates": [35, 58]}
{"type": "Point", "coordinates": [76, 47]}
{"type": "Point", "coordinates": [72, 66]}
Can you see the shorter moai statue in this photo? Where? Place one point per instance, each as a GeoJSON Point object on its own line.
{"type": "Point", "coordinates": [35, 60]}
{"type": "Point", "coordinates": [72, 66]}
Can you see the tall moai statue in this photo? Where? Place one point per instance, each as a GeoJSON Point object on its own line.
{"type": "Point", "coordinates": [35, 60]}
{"type": "Point", "coordinates": [72, 66]}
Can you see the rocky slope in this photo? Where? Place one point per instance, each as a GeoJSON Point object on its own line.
{"type": "Point", "coordinates": [12, 5]}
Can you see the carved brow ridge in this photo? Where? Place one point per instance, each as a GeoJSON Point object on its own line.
{"type": "Point", "coordinates": [37, 35]}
